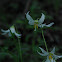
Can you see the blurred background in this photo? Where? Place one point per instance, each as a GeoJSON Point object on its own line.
{"type": "Point", "coordinates": [13, 12]}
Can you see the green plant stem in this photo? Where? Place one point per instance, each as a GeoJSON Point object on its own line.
{"type": "Point", "coordinates": [16, 45]}
{"type": "Point", "coordinates": [20, 51]}
{"type": "Point", "coordinates": [18, 48]}
{"type": "Point", "coordinates": [44, 41]}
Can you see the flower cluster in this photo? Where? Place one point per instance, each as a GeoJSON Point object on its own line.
{"type": "Point", "coordinates": [51, 57]}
